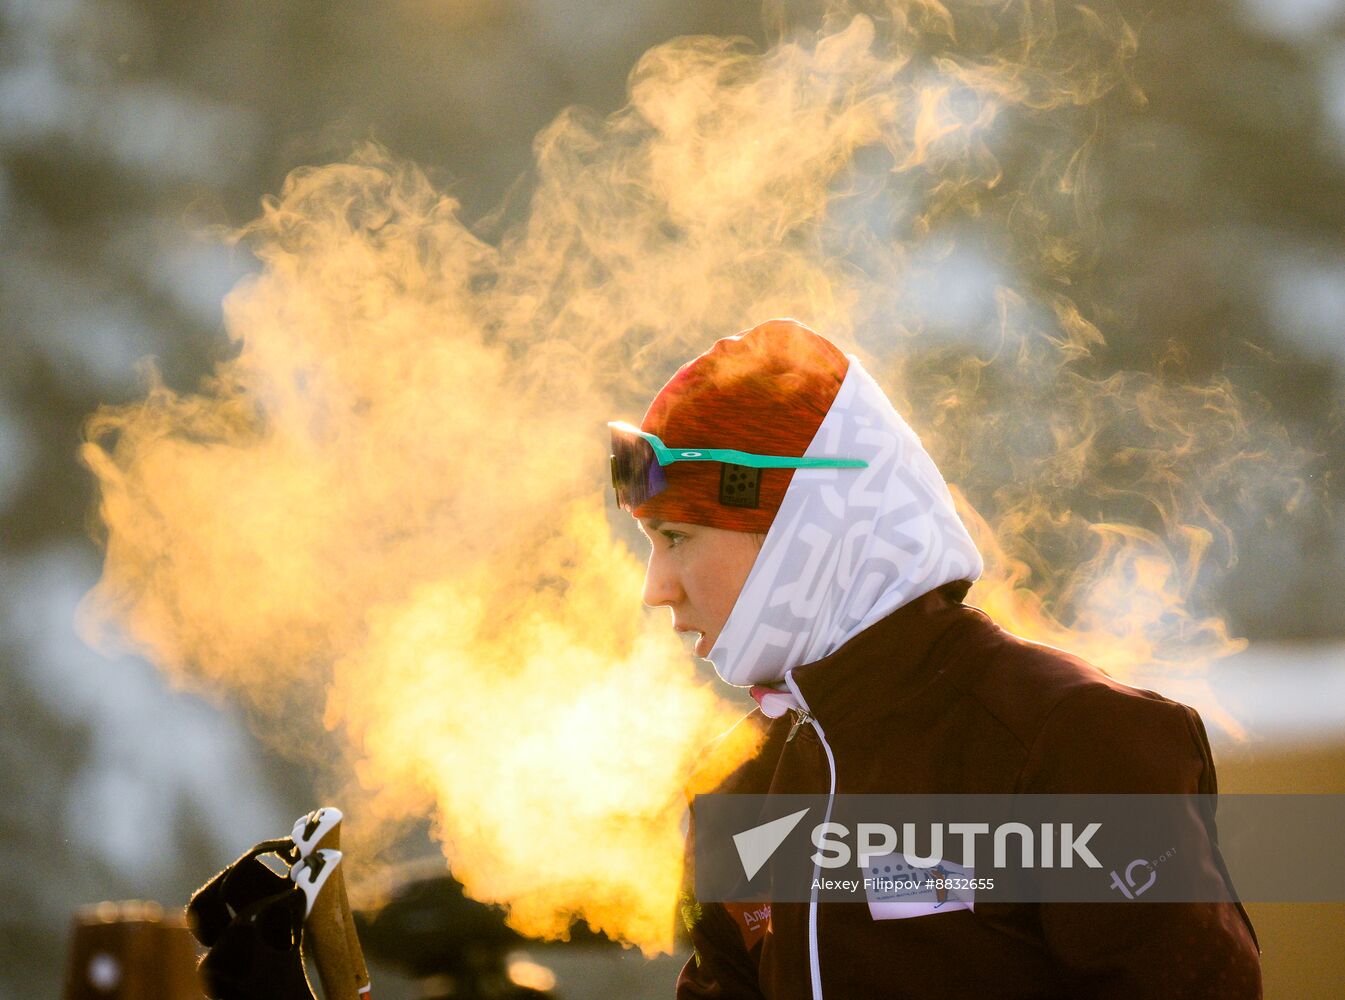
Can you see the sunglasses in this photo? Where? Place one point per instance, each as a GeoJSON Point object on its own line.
{"type": "Point", "coordinates": [640, 461]}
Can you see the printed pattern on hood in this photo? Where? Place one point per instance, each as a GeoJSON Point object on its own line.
{"type": "Point", "coordinates": [847, 547]}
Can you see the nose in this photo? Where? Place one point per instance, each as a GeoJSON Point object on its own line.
{"type": "Point", "coordinates": [662, 588]}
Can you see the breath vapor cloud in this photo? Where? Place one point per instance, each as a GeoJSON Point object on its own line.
{"type": "Point", "coordinates": [386, 511]}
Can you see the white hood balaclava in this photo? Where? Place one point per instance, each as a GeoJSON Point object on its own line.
{"type": "Point", "coordinates": [847, 546]}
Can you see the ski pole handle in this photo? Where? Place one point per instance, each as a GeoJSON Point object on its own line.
{"type": "Point", "coordinates": [331, 924]}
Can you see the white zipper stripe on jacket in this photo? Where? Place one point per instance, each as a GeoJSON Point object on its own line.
{"type": "Point", "coordinates": [814, 965]}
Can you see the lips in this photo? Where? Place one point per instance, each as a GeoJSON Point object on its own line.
{"type": "Point", "coordinates": [700, 641]}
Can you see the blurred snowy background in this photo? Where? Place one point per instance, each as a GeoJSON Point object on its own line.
{"type": "Point", "coordinates": [129, 129]}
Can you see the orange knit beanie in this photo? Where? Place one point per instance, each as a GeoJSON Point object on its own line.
{"type": "Point", "coordinates": [765, 391]}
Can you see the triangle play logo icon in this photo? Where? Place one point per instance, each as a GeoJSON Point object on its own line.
{"type": "Point", "coordinates": [755, 846]}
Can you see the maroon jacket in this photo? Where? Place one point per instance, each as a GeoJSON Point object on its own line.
{"type": "Point", "coordinates": [936, 698]}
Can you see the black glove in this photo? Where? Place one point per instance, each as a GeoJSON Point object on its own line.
{"type": "Point", "coordinates": [252, 920]}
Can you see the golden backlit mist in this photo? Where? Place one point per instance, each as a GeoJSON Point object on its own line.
{"type": "Point", "coordinates": [386, 511]}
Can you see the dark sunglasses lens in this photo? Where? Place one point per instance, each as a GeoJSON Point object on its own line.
{"type": "Point", "coordinates": [636, 473]}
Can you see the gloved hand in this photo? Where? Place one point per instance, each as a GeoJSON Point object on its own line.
{"type": "Point", "coordinates": [252, 920]}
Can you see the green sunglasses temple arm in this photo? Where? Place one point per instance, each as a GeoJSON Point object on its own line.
{"type": "Point", "coordinates": [732, 457]}
{"type": "Point", "coordinates": [667, 456]}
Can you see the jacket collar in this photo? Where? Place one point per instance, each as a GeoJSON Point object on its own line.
{"type": "Point", "coordinates": [885, 669]}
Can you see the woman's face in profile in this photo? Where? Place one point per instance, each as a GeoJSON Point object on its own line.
{"type": "Point", "coordinates": [697, 573]}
